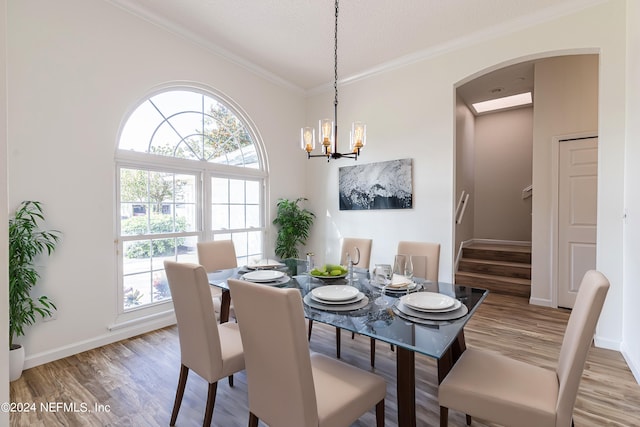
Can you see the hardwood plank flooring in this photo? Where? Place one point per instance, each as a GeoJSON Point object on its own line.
{"type": "Point", "coordinates": [133, 382]}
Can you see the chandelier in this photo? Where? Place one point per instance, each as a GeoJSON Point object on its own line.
{"type": "Point", "coordinates": [328, 129]}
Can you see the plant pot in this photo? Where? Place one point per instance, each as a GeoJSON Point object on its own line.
{"type": "Point", "coordinates": [292, 265]}
{"type": "Point", "coordinates": [16, 361]}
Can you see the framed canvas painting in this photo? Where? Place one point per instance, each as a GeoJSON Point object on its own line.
{"type": "Point", "coordinates": [382, 185]}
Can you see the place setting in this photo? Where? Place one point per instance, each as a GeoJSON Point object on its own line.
{"type": "Point", "coordinates": [336, 298]}
{"type": "Point", "coordinates": [428, 307]}
{"type": "Point", "coordinates": [265, 264]}
{"type": "Point", "coordinates": [266, 277]}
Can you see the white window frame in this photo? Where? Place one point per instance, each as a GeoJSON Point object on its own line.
{"type": "Point", "coordinates": [204, 172]}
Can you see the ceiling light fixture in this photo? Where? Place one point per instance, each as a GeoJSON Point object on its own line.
{"type": "Point", "coordinates": [328, 129]}
{"type": "Point", "coordinates": [503, 103]}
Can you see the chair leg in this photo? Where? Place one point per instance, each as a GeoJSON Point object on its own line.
{"type": "Point", "coordinates": [468, 419]}
{"type": "Point", "coordinates": [310, 326]}
{"type": "Point", "coordinates": [338, 334]}
{"type": "Point", "coordinates": [211, 401]}
{"type": "Point", "coordinates": [444, 416]}
{"type": "Point", "coordinates": [253, 420]}
{"type": "Point", "coordinates": [372, 355]}
{"type": "Point", "coordinates": [230, 380]}
{"type": "Point", "coordinates": [380, 414]}
{"type": "Point", "coordinates": [353, 335]}
{"type": "Point", "coordinates": [182, 382]}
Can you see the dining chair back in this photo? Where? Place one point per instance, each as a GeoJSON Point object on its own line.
{"type": "Point", "coordinates": [509, 392]}
{"type": "Point", "coordinates": [210, 350]}
{"type": "Point", "coordinates": [217, 255]}
{"type": "Point", "coordinates": [318, 390]}
{"type": "Point", "coordinates": [431, 251]}
{"type": "Point", "coordinates": [364, 247]}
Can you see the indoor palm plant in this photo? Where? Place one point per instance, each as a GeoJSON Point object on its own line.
{"type": "Point", "coordinates": [26, 242]}
{"type": "Point", "coordinates": [294, 223]}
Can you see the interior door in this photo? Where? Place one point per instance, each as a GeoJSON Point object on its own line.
{"type": "Point", "coordinates": [577, 206]}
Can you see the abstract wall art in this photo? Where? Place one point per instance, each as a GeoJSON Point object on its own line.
{"type": "Point", "coordinates": [382, 185]}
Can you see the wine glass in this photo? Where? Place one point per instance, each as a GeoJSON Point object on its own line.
{"type": "Point", "coordinates": [408, 268]}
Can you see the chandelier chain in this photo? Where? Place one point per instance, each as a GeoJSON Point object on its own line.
{"type": "Point", "coordinates": [335, 59]}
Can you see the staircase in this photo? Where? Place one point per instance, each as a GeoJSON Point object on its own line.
{"type": "Point", "coordinates": [500, 268]}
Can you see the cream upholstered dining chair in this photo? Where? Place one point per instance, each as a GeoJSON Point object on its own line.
{"type": "Point", "coordinates": [364, 248]}
{"type": "Point", "coordinates": [288, 386]}
{"type": "Point", "coordinates": [348, 247]}
{"type": "Point", "coordinates": [217, 255]}
{"type": "Point", "coordinates": [509, 392]}
{"type": "Point", "coordinates": [428, 270]}
{"type": "Point", "coordinates": [210, 350]}
{"type": "Point", "coordinates": [427, 249]}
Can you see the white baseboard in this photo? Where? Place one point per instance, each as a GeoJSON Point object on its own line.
{"type": "Point", "coordinates": [541, 302]}
{"type": "Point", "coordinates": [635, 370]}
{"type": "Point", "coordinates": [607, 343]}
{"type": "Point", "coordinates": [500, 242]}
{"type": "Point", "coordinates": [99, 341]}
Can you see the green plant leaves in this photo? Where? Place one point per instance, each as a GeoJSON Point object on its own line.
{"type": "Point", "coordinates": [294, 224]}
{"type": "Point", "coordinates": [26, 242]}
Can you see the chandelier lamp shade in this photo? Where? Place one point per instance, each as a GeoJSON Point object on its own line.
{"type": "Point", "coordinates": [328, 129]}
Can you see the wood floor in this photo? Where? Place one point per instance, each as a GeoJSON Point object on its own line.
{"type": "Point", "coordinates": [133, 382]}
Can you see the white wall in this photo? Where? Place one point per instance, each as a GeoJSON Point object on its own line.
{"type": "Point", "coordinates": [410, 113]}
{"type": "Point", "coordinates": [566, 103]}
{"type": "Point", "coordinates": [465, 172]}
{"type": "Point", "coordinates": [630, 312]}
{"type": "Point", "coordinates": [503, 168]}
{"type": "Point", "coordinates": [75, 68]}
{"type": "Point", "coordinates": [4, 253]}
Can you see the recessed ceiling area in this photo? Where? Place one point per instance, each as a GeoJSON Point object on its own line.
{"type": "Point", "coordinates": [507, 81]}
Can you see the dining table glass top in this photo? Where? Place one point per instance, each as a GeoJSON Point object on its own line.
{"type": "Point", "coordinates": [377, 317]}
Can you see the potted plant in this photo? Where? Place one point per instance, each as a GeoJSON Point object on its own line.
{"type": "Point", "coordinates": [26, 242]}
{"type": "Point", "coordinates": [294, 223]}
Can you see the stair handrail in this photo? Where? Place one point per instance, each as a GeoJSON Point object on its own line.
{"type": "Point", "coordinates": [462, 209]}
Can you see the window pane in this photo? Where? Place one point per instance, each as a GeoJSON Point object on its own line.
{"type": "Point", "coordinates": [137, 290]}
{"type": "Point", "coordinates": [219, 190]}
{"type": "Point", "coordinates": [220, 217]}
{"type": "Point", "coordinates": [237, 216]}
{"type": "Point", "coordinates": [252, 192]}
{"type": "Point", "coordinates": [253, 216]}
{"type": "Point", "coordinates": [189, 125]}
{"type": "Point", "coordinates": [236, 191]}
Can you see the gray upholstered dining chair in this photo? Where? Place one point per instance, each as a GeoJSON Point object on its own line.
{"type": "Point", "coordinates": [289, 386]}
{"type": "Point", "coordinates": [210, 350]}
{"type": "Point", "coordinates": [509, 392]}
{"type": "Point", "coordinates": [364, 250]}
{"type": "Point", "coordinates": [217, 255]}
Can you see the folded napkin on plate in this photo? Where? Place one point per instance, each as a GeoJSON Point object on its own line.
{"type": "Point", "coordinates": [399, 281]}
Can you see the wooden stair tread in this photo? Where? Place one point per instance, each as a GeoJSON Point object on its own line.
{"type": "Point", "coordinates": [494, 278]}
{"type": "Point", "coordinates": [499, 247]}
{"type": "Point", "coordinates": [492, 262]}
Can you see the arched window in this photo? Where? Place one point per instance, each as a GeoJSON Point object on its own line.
{"type": "Point", "coordinates": [189, 168]}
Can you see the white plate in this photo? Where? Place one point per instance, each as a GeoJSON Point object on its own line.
{"type": "Point", "coordinates": [265, 263]}
{"type": "Point", "coordinates": [428, 301]}
{"type": "Point", "coordinates": [342, 276]}
{"type": "Point", "coordinates": [353, 300]}
{"type": "Point", "coordinates": [428, 318]}
{"type": "Point", "coordinates": [308, 300]}
{"type": "Point", "coordinates": [261, 276]}
{"type": "Point", "coordinates": [335, 292]}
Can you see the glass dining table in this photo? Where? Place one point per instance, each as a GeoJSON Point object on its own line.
{"type": "Point", "coordinates": [378, 318]}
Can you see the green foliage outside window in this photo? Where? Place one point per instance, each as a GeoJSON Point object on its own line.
{"type": "Point", "coordinates": [157, 224]}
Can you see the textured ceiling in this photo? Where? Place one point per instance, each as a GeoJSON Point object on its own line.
{"type": "Point", "coordinates": [292, 40]}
